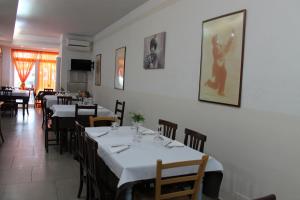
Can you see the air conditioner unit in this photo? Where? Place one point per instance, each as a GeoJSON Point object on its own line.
{"type": "Point", "coordinates": [78, 45]}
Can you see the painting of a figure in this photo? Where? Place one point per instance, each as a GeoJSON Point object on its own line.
{"type": "Point", "coordinates": [120, 68]}
{"type": "Point", "coordinates": [222, 59]}
{"type": "Point", "coordinates": [154, 51]}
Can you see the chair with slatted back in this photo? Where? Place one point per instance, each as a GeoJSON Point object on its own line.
{"type": "Point", "coordinates": [80, 155]}
{"type": "Point", "coordinates": [9, 103]}
{"type": "Point", "coordinates": [101, 121]}
{"type": "Point", "coordinates": [91, 152]}
{"type": "Point", "coordinates": [49, 129]}
{"type": "Point", "coordinates": [64, 100]}
{"type": "Point", "coordinates": [48, 90]}
{"type": "Point", "coordinates": [83, 112]}
{"type": "Point", "coordinates": [119, 111]}
{"type": "Point", "coordinates": [169, 128]}
{"type": "Point", "coordinates": [170, 187]}
{"type": "Point", "coordinates": [194, 139]}
{"type": "Point", "coordinates": [269, 197]}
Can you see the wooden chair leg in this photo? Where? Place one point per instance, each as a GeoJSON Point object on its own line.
{"type": "Point", "coordinates": [81, 181]}
{"type": "Point", "coordinates": [46, 140]}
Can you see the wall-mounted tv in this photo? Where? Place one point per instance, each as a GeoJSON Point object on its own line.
{"type": "Point", "coordinates": [82, 65]}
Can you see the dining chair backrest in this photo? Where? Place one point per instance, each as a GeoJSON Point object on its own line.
{"type": "Point", "coordinates": [6, 92]}
{"type": "Point", "coordinates": [83, 119]}
{"type": "Point", "coordinates": [194, 139]}
{"type": "Point", "coordinates": [48, 90]}
{"type": "Point", "coordinates": [268, 197]}
{"type": "Point", "coordinates": [119, 111]}
{"type": "Point", "coordinates": [101, 121]}
{"type": "Point", "coordinates": [195, 178]}
{"type": "Point", "coordinates": [91, 155]}
{"type": "Point", "coordinates": [80, 148]}
{"type": "Point", "coordinates": [169, 128]}
{"type": "Point", "coordinates": [64, 100]}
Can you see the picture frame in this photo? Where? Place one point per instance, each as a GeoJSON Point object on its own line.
{"type": "Point", "coordinates": [120, 59]}
{"type": "Point", "coordinates": [222, 56]}
{"type": "Point", "coordinates": [154, 51]}
{"type": "Point", "coordinates": [98, 70]}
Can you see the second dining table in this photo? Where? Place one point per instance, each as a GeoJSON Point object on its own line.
{"type": "Point", "coordinates": [131, 157]}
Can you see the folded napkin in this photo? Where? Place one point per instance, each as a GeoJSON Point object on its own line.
{"type": "Point", "coordinates": [147, 132]}
{"type": "Point", "coordinates": [119, 148]}
{"type": "Point", "coordinates": [175, 143]}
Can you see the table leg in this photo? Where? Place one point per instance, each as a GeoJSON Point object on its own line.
{"type": "Point", "coordinates": [23, 107]}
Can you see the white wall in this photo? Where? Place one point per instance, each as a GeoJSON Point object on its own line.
{"type": "Point", "coordinates": [7, 69]}
{"type": "Point", "coordinates": [68, 54]}
{"type": "Point", "coordinates": [257, 143]}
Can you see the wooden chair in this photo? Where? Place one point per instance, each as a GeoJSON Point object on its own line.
{"type": "Point", "coordinates": [119, 111]}
{"type": "Point", "coordinates": [269, 197]}
{"type": "Point", "coordinates": [83, 119]}
{"type": "Point", "coordinates": [159, 182]}
{"type": "Point", "coordinates": [9, 103]}
{"type": "Point", "coordinates": [101, 121]}
{"type": "Point", "coordinates": [48, 123]}
{"type": "Point", "coordinates": [194, 139]}
{"type": "Point", "coordinates": [48, 90]}
{"type": "Point", "coordinates": [169, 128]}
{"type": "Point", "coordinates": [80, 155]}
{"type": "Point", "coordinates": [91, 152]}
{"type": "Point", "coordinates": [170, 187]}
{"type": "Point", "coordinates": [64, 100]}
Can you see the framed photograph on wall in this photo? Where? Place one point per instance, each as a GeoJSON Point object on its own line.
{"type": "Point", "coordinates": [222, 59]}
{"type": "Point", "coordinates": [120, 58]}
{"type": "Point", "coordinates": [154, 51]}
{"type": "Point", "coordinates": [98, 70]}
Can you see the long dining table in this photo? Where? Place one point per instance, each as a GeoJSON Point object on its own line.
{"type": "Point", "coordinates": [127, 158]}
{"type": "Point", "coordinates": [18, 94]}
{"type": "Point", "coordinates": [64, 116]}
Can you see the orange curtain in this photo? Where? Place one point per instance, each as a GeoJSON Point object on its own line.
{"type": "Point", "coordinates": [46, 71]}
{"type": "Point", "coordinates": [23, 61]}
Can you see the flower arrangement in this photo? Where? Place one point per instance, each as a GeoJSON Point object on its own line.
{"type": "Point", "coordinates": [137, 117]}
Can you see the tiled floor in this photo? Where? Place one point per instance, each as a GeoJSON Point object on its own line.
{"type": "Point", "coordinates": [27, 172]}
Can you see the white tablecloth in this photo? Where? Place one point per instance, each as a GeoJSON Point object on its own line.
{"type": "Point", "coordinates": [52, 100]}
{"type": "Point", "coordinates": [139, 161]}
{"type": "Point", "coordinates": [69, 111]}
{"type": "Point", "coordinates": [20, 93]}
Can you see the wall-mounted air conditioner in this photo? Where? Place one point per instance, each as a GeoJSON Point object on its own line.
{"type": "Point", "coordinates": [78, 45]}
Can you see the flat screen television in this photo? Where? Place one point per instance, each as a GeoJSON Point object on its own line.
{"type": "Point", "coordinates": [81, 65]}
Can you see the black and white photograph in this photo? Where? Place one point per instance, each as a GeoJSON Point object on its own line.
{"type": "Point", "coordinates": [154, 51]}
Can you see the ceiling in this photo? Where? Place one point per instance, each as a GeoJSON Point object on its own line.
{"type": "Point", "coordinates": [40, 23]}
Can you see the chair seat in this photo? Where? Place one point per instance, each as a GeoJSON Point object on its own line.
{"type": "Point", "coordinates": [149, 195]}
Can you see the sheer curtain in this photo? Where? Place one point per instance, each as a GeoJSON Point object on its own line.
{"type": "Point", "coordinates": [23, 61]}
{"type": "Point", "coordinates": [46, 67]}
{"type": "Point", "coordinates": [46, 71]}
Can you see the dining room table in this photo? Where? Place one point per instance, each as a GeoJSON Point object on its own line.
{"type": "Point", "coordinates": [23, 95]}
{"type": "Point", "coordinates": [52, 99]}
{"type": "Point", "coordinates": [128, 155]}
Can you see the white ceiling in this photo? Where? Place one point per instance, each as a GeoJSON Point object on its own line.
{"type": "Point", "coordinates": [40, 23]}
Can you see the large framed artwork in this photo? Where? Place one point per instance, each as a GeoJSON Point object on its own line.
{"type": "Point", "coordinates": [154, 51]}
{"type": "Point", "coordinates": [222, 59]}
{"type": "Point", "coordinates": [98, 70]}
{"type": "Point", "coordinates": [120, 68]}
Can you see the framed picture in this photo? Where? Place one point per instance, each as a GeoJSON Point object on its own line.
{"type": "Point", "coordinates": [222, 59]}
{"type": "Point", "coordinates": [154, 51]}
{"type": "Point", "coordinates": [120, 68]}
{"type": "Point", "coordinates": [98, 70]}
